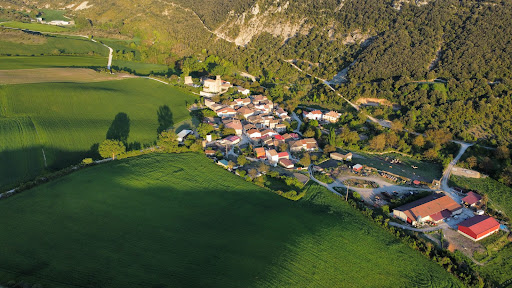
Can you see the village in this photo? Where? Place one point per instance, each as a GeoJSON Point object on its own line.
{"type": "Point", "coordinates": [250, 136]}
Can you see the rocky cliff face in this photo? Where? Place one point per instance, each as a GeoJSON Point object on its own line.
{"type": "Point", "coordinates": [271, 18]}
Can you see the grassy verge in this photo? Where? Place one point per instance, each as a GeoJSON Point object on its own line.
{"type": "Point", "coordinates": [28, 62]}
{"type": "Point", "coordinates": [35, 26]}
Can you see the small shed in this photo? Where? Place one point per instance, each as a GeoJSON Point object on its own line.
{"type": "Point", "coordinates": [183, 134]}
{"type": "Point", "coordinates": [286, 163]}
{"type": "Point", "coordinates": [478, 227]}
{"type": "Point", "coordinates": [357, 167]}
{"type": "Point", "coordinates": [472, 198]}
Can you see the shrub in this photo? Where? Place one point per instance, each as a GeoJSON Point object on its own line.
{"type": "Point", "coordinates": [87, 161]}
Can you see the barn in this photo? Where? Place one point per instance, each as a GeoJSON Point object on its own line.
{"type": "Point", "coordinates": [433, 208]}
{"type": "Point", "coordinates": [478, 227]}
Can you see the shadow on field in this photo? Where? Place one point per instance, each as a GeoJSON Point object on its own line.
{"type": "Point", "coordinates": [165, 118]}
{"type": "Point", "coordinates": [120, 128]}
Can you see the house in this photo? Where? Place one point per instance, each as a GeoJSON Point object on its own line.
{"type": "Point", "coordinates": [231, 140]}
{"type": "Point", "coordinates": [242, 101]}
{"type": "Point", "coordinates": [260, 152]}
{"type": "Point", "coordinates": [272, 156]}
{"type": "Point", "coordinates": [357, 167]}
{"type": "Point", "coordinates": [314, 115]}
{"type": "Point", "coordinates": [269, 133]}
{"type": "Point", "coordinates": [433, 208]}
{"type": "Point", "coordinates": [307, 144]}
{"type": "Point", "coordinates": [331, 116]}
{"type": "Point", "coordinates": [243, 90]}
{"type": "Point", "coordinates": [283, 155]}
{"type": "Point", "coordinates": [253, 134]}
{"type": "Point", "coordinates": [183, 134]}
{"type": "Point", "coordinates": [209, 152]}
{"type": "Point", "coordinates": [281, 113]}
{"type": "Point", "coordinates": [249, 126]}
{"type": "Point", "coordinates": [286, 163]}
{"type": "Point", "coordinates": [280, 128]}
{"type": "Point", "coordinates": [341, 157]}
{"type": "Point", "coordinates": [244, 111]}
{"type": "Point", "coordinates": [471, 199]}
{"type": "Point", "coordinates": [226, 112]}
{"type": "Point", "coordinates": [257, 99]}
{"type": "Point", "coordinates": [478, 227]}
{"type": "Point", "coordinates": [209, 103]}
{"type": "Point", "coordinates": [235, 125]}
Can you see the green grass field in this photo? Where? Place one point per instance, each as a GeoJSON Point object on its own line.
{"type": "Point", "coordinates": [34, 26]}
{"type": "Point", "coordinates": [426, 171]}
{"type": "Point", "coordinates": [54, 45]}
{"type": "Point", "coordinates": [70, 117]}
{"type": "Point", "coordinates": [50, 15]}
{"type": "Point", "coordinates": [178, 220]}
{"type": "Point", "coordinates": [29, 62]}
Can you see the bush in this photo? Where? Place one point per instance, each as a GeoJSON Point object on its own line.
{"type": "Point", "coordinates": [87, 161]}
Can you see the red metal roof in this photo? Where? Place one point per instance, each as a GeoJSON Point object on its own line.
{"type": "Point", "coordinates": [480, 224]}
{"type": "Point", "coordinates": [278, 137]}
{"type": "Point", "coordinates": [441, 215]}
{"type": "Point", "coordinates": [472, 198]}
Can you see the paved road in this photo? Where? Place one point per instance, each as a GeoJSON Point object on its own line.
{"type": "Point", "coordinates": [328, 186]}
{"type": "Point", "coordinates": [296, 118]}
{"type": "Point", "coordinates": [446, 174]}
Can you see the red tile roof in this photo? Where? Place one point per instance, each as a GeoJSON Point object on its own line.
{"type": "Point", "coordinates": [480, 223]}
{"type": "Point", "coordinates": [472, 198]}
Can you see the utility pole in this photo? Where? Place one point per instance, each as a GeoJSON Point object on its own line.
{"type": "Point", "coordinates": [346, 196]}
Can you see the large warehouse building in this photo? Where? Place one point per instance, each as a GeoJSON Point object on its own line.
{"type": "Point", "coordinates": [478, 227]}
{"type": "Point", "coordinates": [433, 208]}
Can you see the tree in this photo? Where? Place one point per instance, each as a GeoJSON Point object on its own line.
{"type": "Point", "coordinates": [168, 141]}
{"type": "Point", "coordinates": [378, 142]}
{"type": "Point", "coordinates": [263, 168]}
{"type": "Point", "coordinates": [283, 147]}
{"type": "Point", "coordinates": [253, 173]}
{"type": "Point", "coordinates": [305, 161]}
{"type": "Point", "coordinates": [309, 133]}
{"type": "Point", "coordinates": [396, 125]}
{"type": "Point", "coordinates": [502, 152]}
{"type": "Point", "coordinates": [110, 148]}
{"type": "Point", "coordinates": [204, 129]}
{"type": "Point", "coordinates": [231, 164]}
{"type": "Point", "coordinates": [242, 160]}
{"type": "Point", "coordinates": [419, 141]}
{"type": "Point", "coordinates": [332, 137]}
{"type": "Point", "coordinates": [431, 154]}
{"type": "Point", "coordinates": [506, 176]}
{"type": "Point", "coordinates": [472, 162]}
{"type": "Point", "coordinates": [487, 165]}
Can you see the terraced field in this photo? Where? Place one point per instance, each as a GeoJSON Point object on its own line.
{"type": "Point", "coordinates": [71, 117]}
{"type": "Point", "coordinates": [178, 220]}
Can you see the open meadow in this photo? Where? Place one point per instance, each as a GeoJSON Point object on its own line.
{"type": "Point", "coordinates": [57, 75]}
{"type": "Point", "coordinates": [64, 120]}
{"type": "Point", "coordinates": [178, 220]}
{"type": "Point", "coordinates": [34, 26]}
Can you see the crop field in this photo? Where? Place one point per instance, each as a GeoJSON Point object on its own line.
{"type": "Point", "coordinates": [30, 62]}
{"type": "Point", "coordinates": [178, 220]}
{"type": "Point", "coordinates": [53, 45]}
{"type": "Point", "coordinates": [71, 117]}
{"type": "Point", "coordinates": [34, 26]}
{"type": "Point", "coordinates": [426, 171]}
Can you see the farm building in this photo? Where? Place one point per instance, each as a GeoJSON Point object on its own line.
{"type": "Point", "coordinates": [357, 167]}
{"type": "Point", "coordinates": [183, 134]}
{"type": "Point", "coordinates": [433, 208]}
{"type": "Point", "coordinates": [341, 157]}
{"type": "Point", "coordinates": [478, 227]}
{"type": "Point", "coordinates": [286, 163]}
{"type": "Point", "coordinates": [471, 199]}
